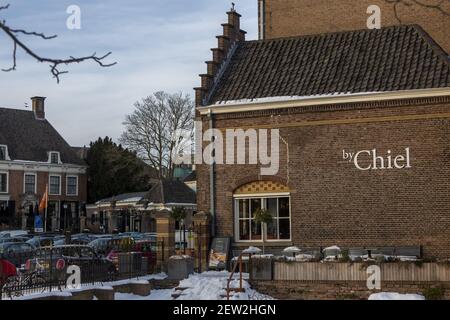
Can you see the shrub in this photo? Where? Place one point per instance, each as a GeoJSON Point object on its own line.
{"type": "Point", "coordinates": [436, 293]}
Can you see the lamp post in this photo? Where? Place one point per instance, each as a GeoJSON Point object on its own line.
{"type": "Point", "coordinates": [65, 216]}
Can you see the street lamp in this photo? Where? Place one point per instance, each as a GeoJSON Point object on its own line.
{"type": "Point", "coordinates": [65, 216]}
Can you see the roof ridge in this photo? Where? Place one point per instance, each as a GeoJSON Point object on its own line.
{"type": "Point", "coordinates": [312, 35]}
{"type": "Point", "coordinates": [432, 44]}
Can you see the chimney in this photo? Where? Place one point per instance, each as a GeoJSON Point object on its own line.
{"type": "Point", "coordinates": [38, 107]}
{"type": "Point", "coordinates": [225, 42]}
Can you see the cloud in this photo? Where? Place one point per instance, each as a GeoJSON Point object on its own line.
{"type": "Point", "coordinates": [158, 44]}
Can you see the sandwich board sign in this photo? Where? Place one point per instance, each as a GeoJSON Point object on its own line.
{"type": "Point", "coordinates": [218, 255]}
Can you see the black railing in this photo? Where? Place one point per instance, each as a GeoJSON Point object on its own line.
{"type": "Point", "coordinates": [49, 269]}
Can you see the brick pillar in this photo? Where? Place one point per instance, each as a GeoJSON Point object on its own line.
{"type": "Point", "coordinates": [201, 223]}
{"type": "Point", "coordinates": [165, 230]}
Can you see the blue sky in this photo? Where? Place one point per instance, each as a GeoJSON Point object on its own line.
{"type": "Point", "coordinates": [158, 44]}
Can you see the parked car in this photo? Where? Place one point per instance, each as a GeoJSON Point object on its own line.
{"type": "Point", "coordinates": [146, 248]}
{"type": "Point", "coordinates": [12, 233]}
{"type": "Point", "coordinates": [7, 269]}
{"type": "Point", "coordinates": [101, 245]}
{"type": "Point", "coordinates": [41, 241]}
{"type": "Point", "coordinates": [59, 258]}
{"type": "Point", "coordinates": [16, 252]}
{"type": "Point", "coordinates": [79, 241]}
{"type": "Point", "coordinates": [134, 235]}
{"type": "Point", "coordinates": [5, 240]}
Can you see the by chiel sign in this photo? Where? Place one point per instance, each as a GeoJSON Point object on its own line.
{"type": "Point", "coordinates": [371, 160]}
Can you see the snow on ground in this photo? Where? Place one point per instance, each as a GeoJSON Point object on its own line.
{"type": "Point", "coordinates": [161, 294]}
{"type": "Point", "coordinates": [204, 286]}
{"type": "Point", "coordinates": [395, 296]}
{"type": "Point", "coordinates": [103, 286]}
{"type": "Point", "coordinates": [212, 284]}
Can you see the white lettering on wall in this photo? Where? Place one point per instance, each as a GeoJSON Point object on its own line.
{"type": "Point", "coordinates": [374, 20]}
{"type": "Point", "coordinates": [372, 160]}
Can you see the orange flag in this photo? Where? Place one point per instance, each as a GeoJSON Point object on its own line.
{"type": "Point", "coordinates": [44, 200]}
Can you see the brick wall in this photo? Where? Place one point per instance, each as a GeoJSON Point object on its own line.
{"type": "Point", "coordinates": [331, 290]}
{"type": "Point", "coordinates": [299, 17]}
{"type": "Point", "coordinates": [334, 203]}
{"type": "Point", "coordinates": [16, 186]}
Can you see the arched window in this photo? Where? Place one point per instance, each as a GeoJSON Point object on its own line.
{"type": "Point", "coordinates": [269, 195]}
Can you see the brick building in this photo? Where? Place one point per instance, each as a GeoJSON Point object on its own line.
{"type": "Point", "coordinates": [379, 96]}
{"type": "Point", "coordinates": [286, 18]}
{"type": "Point", "coordinates": [33, 155]}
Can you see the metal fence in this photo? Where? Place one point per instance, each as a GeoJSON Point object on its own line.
{"type": "Point", "coordinates": [56, 268]}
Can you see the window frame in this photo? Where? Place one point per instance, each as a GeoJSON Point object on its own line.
{"type": "Point", "coordinates": [49, 184]}
{"type": "Point", "coordinates": [7, 158]}
{"type": "Point", "coordinates": [24, 181]}
{"type": "Point", "coordinates": [67, 185]}
{"type": "Point", "coordinates": [263, 198]}
{"type": "Point", "coordinates": [50, 153]}
{"type": "Point", "coordinates": [7, 182]}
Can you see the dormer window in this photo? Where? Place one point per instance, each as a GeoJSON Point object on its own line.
{"type": "Point", "coordinates": [54, 157]}
{"type": "Point", "coordinates": [4, 152]}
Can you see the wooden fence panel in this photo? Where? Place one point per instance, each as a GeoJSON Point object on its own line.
{"type": "Point", "coordinates": [316, 271]}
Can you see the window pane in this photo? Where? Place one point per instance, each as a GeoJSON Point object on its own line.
{"type": "Point", "coordinates": [283, 207]}
{"type": "Point", "coordinates": [54, 184]}
{"type": "Point", "coordinates": [256, 231]}
{"type": "Point", "coordinates": [255, 204]}
{"type": "Point", "coordinates": [54, 157]}
{"type": "Point", "coordinates": [243, 208]}
{"type": "Point", "coordinates": [2, 153]}
{"type": "Point", "coordinates": [285, 232]}
{"type": "Point", "coordinates": [30, 183]}
{"type": "Point", "coordinates": [272, 206]}
{"type": "Point", "coordinates": [71, 185]}
{"type": "Point", "coordinates": [3, 182]}
{"type": "Point", "coordinates": [243, 230]}
{"type": "Point", "coordinates": [272, 230]}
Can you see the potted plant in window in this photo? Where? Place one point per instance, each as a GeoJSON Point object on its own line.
{"type": "Point", "coordinates": [264, 217]}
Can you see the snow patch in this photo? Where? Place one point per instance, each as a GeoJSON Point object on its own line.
{"type": "Point", "coordinates": [252, 250]}
{"type": "Point", "coordinates": [395, 296]}
{"type": "Point", "coordinates": [292, 249]}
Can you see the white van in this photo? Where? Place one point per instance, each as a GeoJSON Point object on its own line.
{"type": "Point", "coordinates": [12, 233]}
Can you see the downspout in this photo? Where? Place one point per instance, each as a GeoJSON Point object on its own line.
{"type": "Point", "coordinates": [212, 190]}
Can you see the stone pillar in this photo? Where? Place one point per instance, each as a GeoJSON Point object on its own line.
{"type": "Point", "coordinates": [24, 221]}
{"type": "Point", "coordinates": [82, 223]}
{"type": "Point", "coordinates": [165, 230]}
{"type": "Point", "coordinates": [54, 225]}
{"type": "Point", "coordinates": [112, 221]}
{"type": "Point", "coordinates": [201, 223]}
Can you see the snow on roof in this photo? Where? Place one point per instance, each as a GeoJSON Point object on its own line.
{"type": "Point", "coordinates": [292, 98]}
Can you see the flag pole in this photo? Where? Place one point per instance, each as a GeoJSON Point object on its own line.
{"type": "Point", "coordinates": [46, 206]}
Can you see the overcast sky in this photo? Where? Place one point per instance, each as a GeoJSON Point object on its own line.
{"type": "Point", "coordinates": [158, 44]}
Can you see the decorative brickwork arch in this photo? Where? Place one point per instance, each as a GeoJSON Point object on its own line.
{"type": "Point", "coordinates": [232, 188]}
{"type": "Point", "coordinates": [265, 186]}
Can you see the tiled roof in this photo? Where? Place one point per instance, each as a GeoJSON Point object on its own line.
{"type": "Point", "coordinates": [191, 177]}
{"type": "Point", "coordinates": [388, 59]}
{"type": "Point", "coordinates": [134, 196]}
{"type": "Point", "coordinates": [31, 139]}
{"type": "Point", "coordinates": [171, 191]}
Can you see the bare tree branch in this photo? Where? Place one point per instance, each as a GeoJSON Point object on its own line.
{"type": "Point", "coordinates": [53, 63]}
